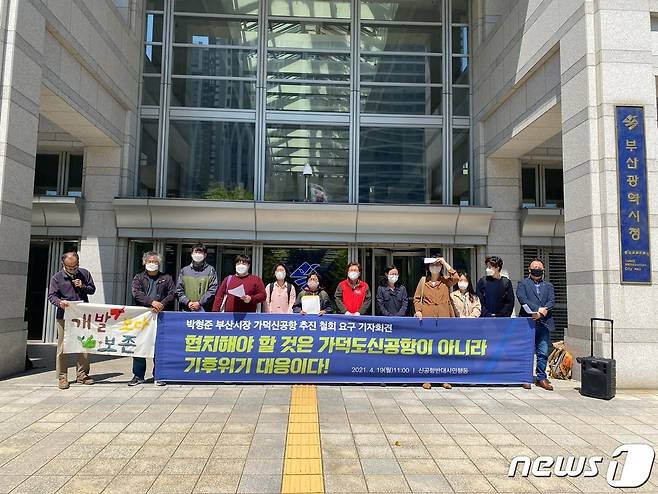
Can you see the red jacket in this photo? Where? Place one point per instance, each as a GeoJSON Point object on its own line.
{"type": "Point", "coordinates": [353, 299]}
{"type": "Point", "coordinates": [253, 286]}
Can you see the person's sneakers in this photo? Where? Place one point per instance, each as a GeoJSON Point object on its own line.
{"type": "Point", "coordinates": [85, 380]}
{"type": "Point", "coordinates": [159, 383]}
{"type": "Point", "coordinates": [447, 386]}
{"type": "Point", "coordinates": [63, 383]}
{"type": "Point", "coordinates": [135, 381]}
{"type": "Point", "coordinates": [545, 384]}
{"type": "Point", "coordinates": [527, 386]}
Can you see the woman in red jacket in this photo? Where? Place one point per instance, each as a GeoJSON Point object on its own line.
{"type": "Point", "coordinates": [353, 295]}
{"type": "Point", "coordinates": [252, 285]}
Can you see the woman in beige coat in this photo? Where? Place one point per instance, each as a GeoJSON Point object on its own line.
{"type": "Point", "coordinates": [464, 300]}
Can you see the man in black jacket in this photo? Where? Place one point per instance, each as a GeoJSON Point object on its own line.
{"type": "Point", "coordinates": [70, 284]}
{"type": "Point", "coordinates": [495, 290]}
{"type": "Point", "coordinates": [150, 288]}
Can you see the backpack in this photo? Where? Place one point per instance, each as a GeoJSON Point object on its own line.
{"type": "Point", "coordinates": [560, 362]}
{"type": "Point", "coordinates": [271, 287]}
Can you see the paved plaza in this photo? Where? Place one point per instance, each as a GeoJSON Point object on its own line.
{"type": "Point", "coordinates": [112, 438]}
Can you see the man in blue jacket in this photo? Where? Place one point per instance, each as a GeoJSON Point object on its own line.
{"type": "Point", "coordinates": [538, 296]}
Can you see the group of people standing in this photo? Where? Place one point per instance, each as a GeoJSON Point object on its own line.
{"type": "Point", "coordinates": [441, 292]}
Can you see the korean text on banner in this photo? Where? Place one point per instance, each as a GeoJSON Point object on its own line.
{"type": "Point", "coordinates": [109, 330]}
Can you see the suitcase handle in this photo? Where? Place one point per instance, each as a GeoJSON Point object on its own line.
{"type": "Point", "coordinates": [612, 346]}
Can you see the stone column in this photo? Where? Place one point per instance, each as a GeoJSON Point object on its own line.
{"type": "Point", "coordinates": [22, 29]}
{"type": "Point", "coordinates": [99, 246]}
{"type": "Point", "coordinates": [606, 60]}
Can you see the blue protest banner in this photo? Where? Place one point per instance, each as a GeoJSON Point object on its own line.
{"type": "Point", "coordinates": [217, 347]}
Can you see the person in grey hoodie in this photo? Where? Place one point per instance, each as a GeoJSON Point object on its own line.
{"type": "Point", "coordinates": [197, 282]}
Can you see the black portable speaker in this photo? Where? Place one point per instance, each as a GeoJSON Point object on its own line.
{"type": "Point", "coordinates": [598, 375]}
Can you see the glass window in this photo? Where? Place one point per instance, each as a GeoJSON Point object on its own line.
{"type": "Point", "coordinates": [460, 40]}
{"type": "Point", "coordinates": [401, 165]}
{"type": "Point", "coordinates": [308, 66]}
{"type": "Point", "coordinates": [462, 261]}
{"type": "Point", "coordinates": [529, 187]}
{"type": "Point", "coordinates": [153, 28]}
{"type": "Point", "coordinates": [410, 100]}
{"type": "Point", "coordinates": [402, 69]}
{"type": "Point", "coordinates": [554, 185]}
{"type": "Point", "coordinates": [151, 91]}
{"type": "Point", "coordinates": [46, 174]}
{"type": "Point", "coordinates": [218, 6]}
{"type": "Point", "coordinates": [74, 179]}
{"type": "Point", "coordinates": [331, 9]}
{"type": "Point", "coordinates": [460, 11]}
{"type": "Point", "coordinates": [461, 177]}
{"type": "Point", "coordinates": [152, 59]}
{"type": "Point", "coordinates": [148, 158]}
{"type": "Point", "coordinates": [308, 35]}
{"type": "Point", "coordinates": [212, 61]}
{"type": "Point", "coordinates": [401, 10]}
{"type": "Point", "coordinates": [308, 97]}
{"type": "Point", "coordinates": [422, 39]}
{"type": "Point", "coordinates": [213, 93]}
{"type": "Point", "coordinates": [330, 264]}
{"type": "Point", "coordinates": [460, 70]}
{"type": "Point", "coordinates": [214, 31]}
{"type": "Point", "coordinates": [461, 101]}
{"type": "Point", "coordinates": [307, 163]}
{"type": "Point", "coordinates": [211, 160]}
{"type": "Point", "coordinates": [154, 4]}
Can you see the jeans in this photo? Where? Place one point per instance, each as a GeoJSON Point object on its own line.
{"type": "Point", "coordinates": [542, 343]}
{"type": "Point", "coordinates": [139, 367]}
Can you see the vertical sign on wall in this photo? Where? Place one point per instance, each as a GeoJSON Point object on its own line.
{"type": "Point", "coordinates": [633, 199]}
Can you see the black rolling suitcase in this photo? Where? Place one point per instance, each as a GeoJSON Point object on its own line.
{"type": "Point", "coordinates": [598, 375]}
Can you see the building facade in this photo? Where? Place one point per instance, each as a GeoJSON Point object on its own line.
{"type": "Point", "coordinates": [320, 131]}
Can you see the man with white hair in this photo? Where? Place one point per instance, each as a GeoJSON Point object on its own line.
{"type": "Point", "coordinates": [150, 288]}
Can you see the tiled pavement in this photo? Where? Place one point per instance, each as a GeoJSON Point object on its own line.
{"type": "Point", "coordinates": [224, 438]}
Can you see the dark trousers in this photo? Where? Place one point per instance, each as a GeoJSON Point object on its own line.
{"type": "Point", "coordinates": [139, 367]}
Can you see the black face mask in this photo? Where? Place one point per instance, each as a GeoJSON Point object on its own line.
{"type": "Point", "coordinates": [537, 273]}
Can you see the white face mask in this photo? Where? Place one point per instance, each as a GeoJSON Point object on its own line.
{"type": "Point", "coordinates": [152, 266]}
{"type": "Point", "coordinates": [489, 271]}
{"type": "Point", "coordinates": [353, 275]}
{"type": "Point", "coordinates": [198, 257]}
{"type": "Point", "coordinates": [463, 285]}
{"type": "Point", "coordinates": [393, 278]}
{"type": "Point", "coordinates": [435, 269]}
{"type": "Point", "coordinates": [241, 268]}
{"type": "Point", "coordinates": [313, 285]}
{"type": "Point", "coordinates": [280, 275]}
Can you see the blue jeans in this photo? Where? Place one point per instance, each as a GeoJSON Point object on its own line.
{"type": "Point", "coordinates": [139, 367]}
{"type": "Point", "coordinates": [542, 343]}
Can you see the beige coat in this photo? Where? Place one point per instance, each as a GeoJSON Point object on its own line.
{"type": "Point", "coordinates": [463, 305]}
{"type": "Point", "coordinates": [434, 301]}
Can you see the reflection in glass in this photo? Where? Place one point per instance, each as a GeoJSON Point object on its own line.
{"type": "Point", "coordinates": [46, 173]}
{"type": "Point", "coordinates": [554, 187]}
{"type": "Point", "coordinates": [306, 163]}
{"type": "Point", "coordinates": [225, 62]}
{"type": "Point", "coordinates": [401, 68]}
{"type": "Point", "coordinates": [423, 39]}
{"type": "Point", "coordinates": [214, 31]}
{"type": "Point", "coordinates": [211, 160]}
{"type": "Point", "coordinates": [460, 11]}
{"type": "Point", "coordinates": [462, 261]}
{"type": "Point", "coordinates": [461, 169]}
{"type": "Point", "coordinates": [312, 35]}
{"type": "Point", "coordinates": [460, 70]}
{"type": "Point", "coordinates": [400, 165]}
{"type": "Point", "coordinates": [152, 59]}
{"type": "Point", "coordinates": [153, 28]}
{"type": "Point", "coordinates": [401, 10]}
{"type": "Point", "coordinates": [410, 100]}
{"type": "Point", "coordinates": [460, 40]}
{"type": "Point", "coordinates": [213, 93]}
{"type": "Point", "coordinates": [147, 163]}
{"type": "Point", "coordinates": [151, 91]}
{"type": "Point", "coordinates": [308, 97]}
{"type": "Point", "coordinates": [461, 101]}
{"type": "Point", "coordinates": [332, 9]}
{"type": "Point", "coordinates": [249, 7]}
{"type": "Point", "coordinates": [154, 4]}
{"type": "Point", "coordinates": [308, 66]}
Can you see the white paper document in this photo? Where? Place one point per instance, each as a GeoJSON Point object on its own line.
{"type": "Point", "coordinates": [238, 291]}
{"type": "Point", "coordinates": [528, 310]}
{"type": "Point", "coordinates": [311, 304]}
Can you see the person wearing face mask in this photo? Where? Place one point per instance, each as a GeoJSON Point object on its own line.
{"type": "Point", "coordinates": [150, 288]}
{"type": "Point", "coordinates": [313, 287]}
{"type": "Point", "coordinates": [495, 290]}
{"type": "Point", "coordinates": [197, 282]}
{"type": "Point", "coordinates": [280, 295]}
{"type": "Point", "coordinates": [432, 296]}
{"type": "Point", "coordinates": [254, 289]}
{"type": "Point", "coordinates": [464, 299]}
{"type": "Point", "coordinates": [72, 283]}
{"type": "Point", "coordinates": [353, 295]}
{"type": "Point", "coordinates": [539, 296]}
{"type": "Point", "coordinates": [392, 299]}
